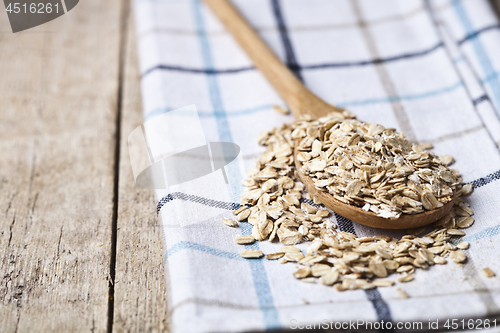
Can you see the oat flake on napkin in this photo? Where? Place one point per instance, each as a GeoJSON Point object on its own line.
{"type": "Point", "coordinates": [429, 69]}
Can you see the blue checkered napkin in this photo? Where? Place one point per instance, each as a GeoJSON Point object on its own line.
{"type": "Point", "coordinates": [430, 69]}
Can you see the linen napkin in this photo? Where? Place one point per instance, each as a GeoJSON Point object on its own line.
{"type": "Point", "coordinates": [428, 68]}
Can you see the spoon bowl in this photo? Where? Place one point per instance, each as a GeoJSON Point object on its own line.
{"type": "Point", "coordinates": [356, 214]}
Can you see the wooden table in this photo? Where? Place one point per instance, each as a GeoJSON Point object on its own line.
{"type": "Point", "coordinates": [80, 247]}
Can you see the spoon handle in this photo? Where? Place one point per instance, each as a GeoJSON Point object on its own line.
{"type": "Point", "coordinates": [300, 100]}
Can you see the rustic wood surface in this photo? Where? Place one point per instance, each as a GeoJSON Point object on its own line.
{"type": "Point", "coordinates": [58, 93]}
{"type": "Point", "coordinates": [60, 86]}
{"type": "Point", "coordinates": [496, 6]}
{"type": "Point", "coordinates": [140, 296]}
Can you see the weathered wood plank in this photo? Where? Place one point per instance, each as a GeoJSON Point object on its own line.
{"type": "Point", "coordinates": [496, 7]}
{"type": "Point", "coordinates": [58, 94]}
{"type": "Point", "coordinates": [140, 296]}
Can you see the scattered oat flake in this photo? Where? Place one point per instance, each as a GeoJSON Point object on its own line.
{"type": "Point", "coordinates": [280, 109]}
{"type": "Point", "coordinates": [383, 283]}
{"type": "Point", "coordinates": [405, 268]}
{"type": "Point", "coordinates": [230, 222]}
{"type": "Point", "coordinates": [293, 256]}
{"type": "Point", "coordinates": [322, 213]}
{"type": "Point", "coordinates": [364, 165]}
{"type": "Point", "coordinates": [330, 278]}
{"type": "Point", "coordinates": [458, 256]}
{"type": "Point", "coordinates": [440, 260]}
{"type": "Point", "coordinates": [239, 210]}
{"type": "Point", "coordinates": [402, 293]}
{"type": "Point", "coordinates": [426, 146]}
{"type": "Point", "coordinates": [465, 222]}
{"type": "Point", "coordinates": [302, 273]}
{"type": "Point", "coordinates": [243, 215]}
{"type": "Point", "coordinates": [244, 239]}
{"type": "Point", "coordinates": [339, 287]}
{"type": "Point", "coordinates": [406, 278]}
{"type": "Point", "coordinates": [318, 270]}
{"type": "Point", "coordinates": [455, 232]}
{"type": "Point", "coordinates": [252, 254]}
{"type": "Point", "coordinates": [290, 249]}
{"type": "Point", "coordinates": [466, 189]}
{"type": "Point", "coordinates": [447, 159]}
{"type": "Point", "coordinates": [378, 268]}
{"type": "Point", "coordinates": [488, 272]}
{"type": "Point", "coordinates": [309, 280]}
{"type": "Point", "coordinates": [275, 255]}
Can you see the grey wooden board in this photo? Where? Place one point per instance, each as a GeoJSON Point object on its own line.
{"type": "Point", "coordinates": [140, 296]}
{"type": "Point", "coordinates": [496, 7]}
{"type": "Point", "coordinates": [58, 93]}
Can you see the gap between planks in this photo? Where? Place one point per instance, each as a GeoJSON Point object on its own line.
{"type": "Point", "coordinates": [140, 298]}
{"type": "Point", "coordinates": [124, 17]}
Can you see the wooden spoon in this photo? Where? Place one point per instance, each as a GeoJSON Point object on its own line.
{"type": "Point", "coordinates": [301, 102]}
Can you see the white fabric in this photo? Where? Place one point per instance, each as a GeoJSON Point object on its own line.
{"type": "Point", "coordinates": [427, 69]}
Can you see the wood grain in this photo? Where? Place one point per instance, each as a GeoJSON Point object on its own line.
{"type": "Point", "coordinates": [58, 90]}
{"type": "Point", "coordinates": [495, 4]}
{"type": "Point", "coordinates": [140, 295]}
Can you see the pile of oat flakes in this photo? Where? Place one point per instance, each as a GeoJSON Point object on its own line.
{"type": "Point", "coordinates": [365, 165]}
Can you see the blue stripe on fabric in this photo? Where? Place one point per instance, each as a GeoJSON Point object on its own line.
{"type": "Point", "coordinates": [411, 97]}
{"type": "Point", "coordinates": [344, 226]}
{"type": "Point", "coordinates": [215, 113]}
{"type": "Point", "coordinates": [480, 99]}
{"type": "Point", "coordinates": [197, 70]}
{"type": "Point", "coordinates": [389, 99]}
{"type": "Point", "coordinates": [296, 67]}
{"type": "Point", "coordinates": [486, 179]}
{"type": "Point", "coordinates": [476, 33]}
{"type": "Point", "coordinates": [266, 107]}
{"type": "Point", "coordinates": [262, 288]}
{"type": "Point", "coordinates": [380, 306]}
{"type": "Point", "coordinates": [292, 64]}
{"type": "Point", "coordinates": [291, 61]}
{"type": "Point", "coordinates": [259, 275]}
{"type": "Point", "coordinates": [485, 233]}
{"type": "Point", "coordinates": [491, 77]}
{"type": "Point", "coordinates": [184, 245]}
{"type": "Point", "coordinates": [484, 59]}
{"type": "Point", "coordinates": [256, 267]}
{"type": "Point", "coordinates": [215, 95]}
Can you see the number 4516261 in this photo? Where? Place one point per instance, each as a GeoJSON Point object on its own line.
{"type": "Point", "coordinates": [33, 8]}
{"type": "Point", "coordinates": [471, 324]}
